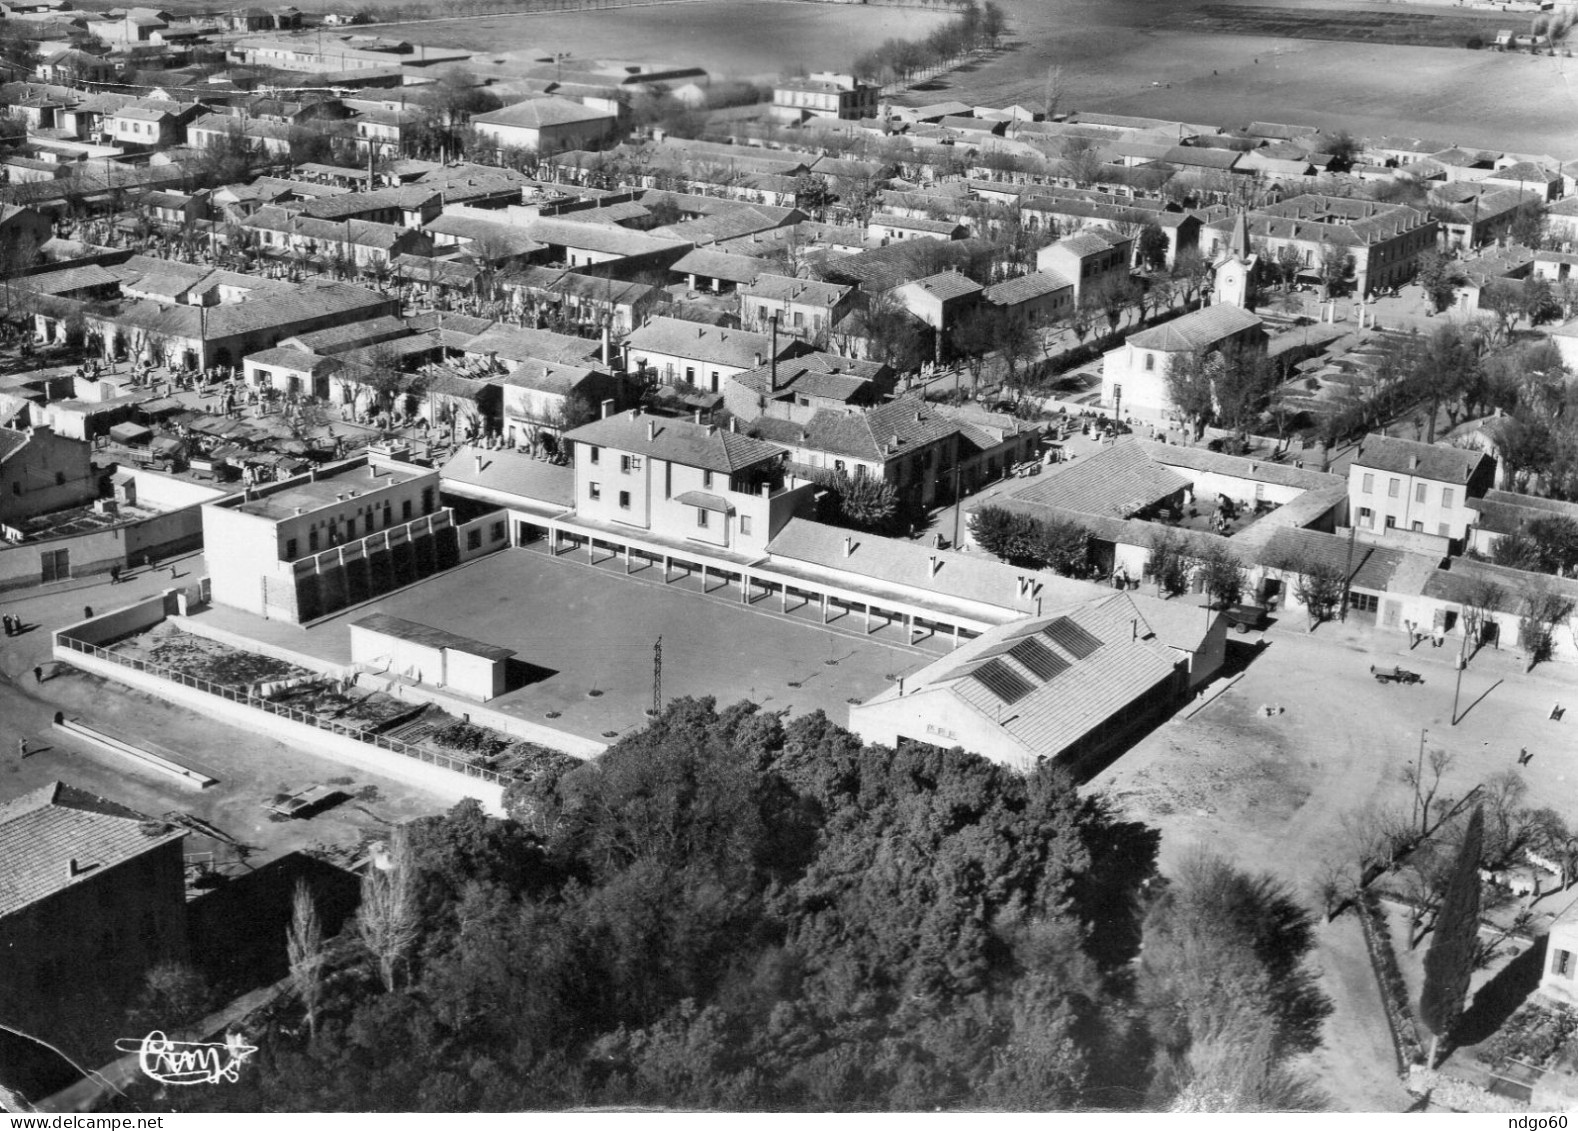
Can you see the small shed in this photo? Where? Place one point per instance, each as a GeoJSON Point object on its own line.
{"type": "Point", "coordinates": [132, 435]}
{"type": "Point", "coordinates": [430, 655]}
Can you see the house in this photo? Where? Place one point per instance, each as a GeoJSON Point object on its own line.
{"type": "Point", "coordinates": [23, 232]}
{"type": "Point", "coordinates": [684, 481]}
{"type": "Point", "coordinates": [42, 472]}
{"type": "Point", "coordinates": [1500, 513]}
{"type": "Point", "coordinates": [906, 442]}
{"type": "Point", "coordinates": [1471, 214]}
{"type": "Point", "coordinates": [544, 400]}
{"type": "Point", "coordinates": [1039, 298]}
{"type": "Point", "coordinates": [797, 388]}
{"type": "Point", "coordinates": [804, 308]}
{"type": "Point", "coordinates": [1067, 687]}
{"type": "Point", "coordinates": [1559, 977]}
{"type": "Point", "coordinates": [1556, 266]}
{"type": "Point", "coordinates": [1561, 223]}
{"type": "Point", "coordinates": [94, 896]}
{"type": "Point", "coordinates": [1055, 210]}
{"type": "Point", "coordinates": [700, 355]}
{"type": "Point", "coordinates": [822, 95]}
{"type": "Point", "coordinates": [1091, 259]}
{"type": "Point", "coordinates": [891, 226]}
{"type": "Point", "coordinates": [939, 300]}
{"type": "Point", "coordinates": [1404, 485]}
{"type": "Point", "coordinates": [290, 370]}
{"type": "Point", "coordinates": [545, 125]}
{"type": "Point", "coordinates": [1134, 375]}
{"type": "Point", "coordinates": [300, 548]}
{"type": "Point", "coordinates": [1384, 240]}
{"type": "Point", "coordinates": [589, 302]}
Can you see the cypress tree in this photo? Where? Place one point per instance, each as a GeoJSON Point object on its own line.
{"type": "Point", "coordinates": [1454, 941]}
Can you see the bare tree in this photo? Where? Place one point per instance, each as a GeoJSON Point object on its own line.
{"type": "Point", "coordinates": [387, 920]}
{"type": "Point", "coordinates": [1425, 781]}
{"type": "Point", "coordinates": [1480, 604]}
{"type": "Point", "coordinates": [304, 946]}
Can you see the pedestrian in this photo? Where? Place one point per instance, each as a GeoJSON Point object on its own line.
{"type": "Point", "coordinates": [38, 674]}
{"type": "Point", "coordinates": [115, 575]}
{"type": "Point", "coordinates": [7, 619]}
{"type": "Point", "coordinates": [87, 612]}
{"type": "Point", "coordinates": [172, 571]}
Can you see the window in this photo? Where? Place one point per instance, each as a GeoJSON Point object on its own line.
{"type": "Point", "coordinates": [594, 490]}
{"type": "Point", "coordinates": [1150, 362]}
{"type": "Point", "coordinates": [715, 380]}
{"type": "Point", "coordinates": [690, 374]}
{"type": "Point", "coordinates": [1417, 527]}
{"type": "Point", "coordinates": [16, 487]}
{"type": "Point", "coordinates": [60, 479]}
{"type": "Point", "coordinates": [427, 500]}
{"type": "Point", "coordinates": [593, 453]}
{"type": "Point", "coordinates": [350, 528]}
{"type": "Point", "coordinates": [1392, 488]}
{"type": "Point", "coordinates": [290, 549]}
{"type": "Point", "coordinates": [405, 510]}
{"type": "Point", "coordinates": [745, 524]}
{"type": "Point", "coordinates": [1369, 483]}
{"type": "Point", "coordinates": [706, 479]}
{"type": "Point", "coordinates": [1419, 492]}
{"type": "Point", "coordinates": [312, 541]}
{"type": "Point", "coordinates": [496, 531]}
{"type": "Point", "coordinates": [701, 517]}
{"type": "Point", "coordinates": [1391, 521]}
{"type": "Point", "coordinates": [1446, 496]}
{"type": "Point", "coordinates": [838, 465]}
{"type": "Point", "coordinates": [624, 500]}
{"type": "Point", "coordinates": [625, 464]}
{"type": "Point", "coordinates": [474, 539]}
{"type": "Point", "coordinates": [1363, 602]}
{"type": "Point", "coordinates": [1562, 963]}
{"type": "Point", "coordinates": [1443, 530]}
{"type": "Point", "coordinates": [1260, 491]}
{"type": "Point", "coordinates": [1367, 518]}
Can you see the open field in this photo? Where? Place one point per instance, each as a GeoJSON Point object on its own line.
{"type": "Point", "coordinates": [1133, 57]}
{"type": "Point", "coordinates": [1270, 792]}
{"type": "Point", "coordinates": [1417, 27]}
{"type": "Point", "coordinates": [744, 40]}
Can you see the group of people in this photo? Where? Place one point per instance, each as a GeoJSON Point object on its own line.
{"type": "Point", "coordinates": [13, 625]}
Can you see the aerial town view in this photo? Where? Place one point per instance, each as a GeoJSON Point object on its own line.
{"type": "Point", "coordinates": [857, 556]}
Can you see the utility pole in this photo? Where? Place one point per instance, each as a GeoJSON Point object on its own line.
{"type": "Point", "coordinates": [1419, 778]}
{"type": "Point", "coordinates": [657, 677]}
{"type": "Point", "coordinates": [1347, 574]}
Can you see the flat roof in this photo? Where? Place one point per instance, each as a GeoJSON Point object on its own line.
{"type": "Point", "coordinates": [311, 494]}
{"type": "Point", "coordinates": [431, 637]}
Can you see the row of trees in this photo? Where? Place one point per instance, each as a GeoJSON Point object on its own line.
{"type": "Point", "coordinates": [976, 28]}
{"type": "Point", "coordinates": [731, 911]}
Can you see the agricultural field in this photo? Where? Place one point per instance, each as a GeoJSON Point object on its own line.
{"type": "Point", "coordinates": [752, 39]}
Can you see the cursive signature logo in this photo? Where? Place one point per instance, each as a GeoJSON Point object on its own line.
{"type": "Point", "coordinates": [188, 1062]}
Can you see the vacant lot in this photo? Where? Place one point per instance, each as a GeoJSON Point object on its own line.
{"type": "Point", "coordinates": [744, 40]}
{"type": "Point", "coordinates": [1270, 792]}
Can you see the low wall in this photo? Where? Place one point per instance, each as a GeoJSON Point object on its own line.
{"type": "Point", "coordinates": [105, 628]}
{"type": "Point", "coordinates": [571, 744]}
{"type": "Point", "coordinates": [92, 554]}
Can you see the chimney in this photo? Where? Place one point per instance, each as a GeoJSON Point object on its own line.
{"type": "Point", "coordinates": [849, 546]}
{"type": "Point", "coordinates": [479, 463]}
{"type": "Point", "coordinates": [767, 490]}
{"type": "Point", "coordinates": [651, 430]}
{"type": "Point", "coordinates": [73, 868]}
{"type": "Point", "coordinates": [1413, 463]}
{"type": "Point", "coordinates": [608, 349]}
{"type": "Point", "coordinates": [936, 564]}
{"type": "Point", "coordinates": [372, 471]}
{"type": "Point", "coordinates": [312, 474]}
{"type": "Point", "coordinates": [608, 408]}
{"type": "Point", "coordinates": [299, 510]}
{"type": "Point", "coordinates": [758, 364]}
{"type": "Point", "coordinates": [698, 416]}
{"type": "Point", "coordinates": [901, 685]}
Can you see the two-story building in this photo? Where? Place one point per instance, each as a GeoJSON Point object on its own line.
{"type": "Point", "coordinates": [824, 94]}
{"type": "Point", "coordinates": [1037, 299]}
{"type": "Point", "coordinates": [805, 308]}
{"type": "Point", "coordinates": [1089, 259]}
{"type": "Point", "coordinates": [545, 125]}
{"type": "Point", "coordinates": [798, 388]}
{"type": "Point", "coordinates": [697, 354]}
{"type": "Point", "coordinates": [304, 547]}
{"type": "Point", "coordinates": [939, 300]}
{"type": "Point", "coordinates": [680, 479]}
{"type": "Point", "coordinates": [42, 472]}
{"type": "Point", "coordinates": [1405, 485]}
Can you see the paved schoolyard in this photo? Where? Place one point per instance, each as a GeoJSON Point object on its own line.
{"type": "Point", "coordinates": [585, 628]}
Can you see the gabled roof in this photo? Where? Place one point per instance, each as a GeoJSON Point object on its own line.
{"type": "Point", "coordinates": [58, 836]}
{"type": "Point", "coordinates": [1024, 288]}
{"type": "Point", "coordinates": [1199, 329]}
{"type": "Point", "coordinates": [713, 344]}
{"type": "Point", "coordinates": [709, 263]}
{"type": "Point", "coordinates": [947, 285]}
{"type": "Point", "coordinates": [1505, 512]}
{"type": "Point", "coordinates": [877, 434]}
{"type": "Point", "coordinates": [677, 440]}
{"type": "Point", "coordinates": [825, 376]}
{"type": "Point", "coordinates": [537, 113]}
{"type": "Point", "coordinates": [1410, 457]}
{"type": "Point", "coordinates": [1120, 481]}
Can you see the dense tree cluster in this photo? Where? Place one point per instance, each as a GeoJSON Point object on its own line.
{"type": "Point", "coordinates": [899, 60]}
{"type": "Point", "coordinates": [730, 911]}
{"type": "Point", "coordinates": [1036, 543]}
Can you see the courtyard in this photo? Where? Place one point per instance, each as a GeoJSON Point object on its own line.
{"type": "Point", "coordinates": [584, 636]}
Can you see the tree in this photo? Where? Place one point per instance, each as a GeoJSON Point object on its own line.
{"type": "Point", "coordinates": [973, 337]}
{"type": "Point", "coordinates": [862, 502]}
{"type": "Point", "coordinates": [304, 949]}
{"type": "Point", "coordinates": [1450, 960]}
{"type": "Point", "coordinates": [1543, 607]}
{"type": "Point", "coordinates": [1220, 573]}
{"type": "Point", "coordinates": [1151, 246]}
{"type": "Point", "coordinates": [1190, 270]}
{"type": "Point", "coordinates": [1243, 383]}
{"type": "Point", "coordinates": [1482, 599]}
{"type": "Point", "coordinates": [1191, 386]}
{"type": "Point", "coordinates": [1529, 224]}
{"type": "Point", "coordinates": [1344, 149]}
{"type": "Point", "coordinates": [1502, 298]}
{"type": "Point", "coordinates": [1007, 534]}
{"type": "Point", "coordinates": [1526, 444]}
{"type": "Point", "coordinates": [1425, 782]}
{"type": "Point", "coordinates": [1439, 278]}
{"type": "Point", "coordinates": [388, 920]}
{"type": "Point", "coordinates": [1319, 588]}
{"type": "Point", "coordinates": [1168, 563]}
{"type": "Point", "coordinates": [1081, 161]}
{"type": "Point", "coordinates": [1062, 546]}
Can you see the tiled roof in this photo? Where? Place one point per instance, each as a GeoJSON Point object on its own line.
{"type": "Point", "coordinates": [1242, 467]}
{"type": "Point", "coordinates": [10, 440]}
{"type": "Point", "coordinates": [514, 343]}
{"type": "Point", "coordinates": [824, 375]}
{"type": "Point", "coordinates": [1198, 329]}
{"type": "Point", "coordinates": [947, 285]}
{"type": "Point", "coordinates": [712, 344]}
{"type": "Point", "coordinates": [1024, 288]}
{"type": "Point", "coordinates": [1090, 241]}
{"type": "Point", "coordinates": [680, 441]}
{"type": "Point", "coordinates": [783, 288]}
{"type": "Point", "coordinates": [709, 263]}
{"type": "Point", "coordinates": [878, 434]}
{"type": "Point", "coordinates": [43, 832]}
{"type": "Point", "coordinates": [600, 238]}
{"type": "Point", "coordinates": [1372, 566]}
{"type": "Point", "coordinates": [914, 223]}
{"type": "Point", "coordinates": [505, 238]}
{"type": "Point", "coordinates": [535, 113]}
{"type": "Point", "coordinates": [1504, 512]}
{"type": "Point", "coordinates": [299, 360]}
{"type": "Point", "coordinates": [1453, 582]}
{"type": "Point", "coordinates": [1410, 457]}
{"type": "Point", "coordinates": [1119, 481]}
